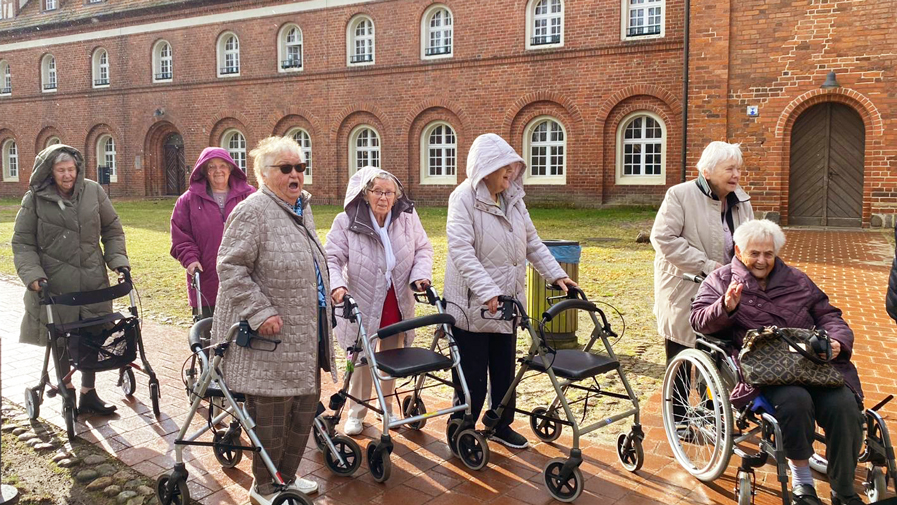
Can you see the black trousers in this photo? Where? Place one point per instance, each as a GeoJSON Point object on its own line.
{"type": "Point", "coordinates": [483, 353]}
{"type": "Point", "coordinates": [837, 411]}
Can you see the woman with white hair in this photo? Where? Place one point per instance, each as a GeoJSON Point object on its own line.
{"type": "Point", "coordinates": [757, 289]}
{"type": "Point", "coordinates": [273, 274]}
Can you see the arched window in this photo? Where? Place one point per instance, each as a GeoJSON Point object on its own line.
{"type": "Point", "coordinates": [10, 161]}
{"type": "Point", "coordinates": [360, 41]}
{"type": "Point", "coordinates": [439, 154]}
{"type": "Point", "coordinates": [304, 140]}
{"type": "Point", "coordinates": [48, 74]}
{"type": "Point", "coordinates": [228, 55]}
{"type": "Point", "coordinates": [545, 24]}
{"type": "Point", "coordinates": [163, 63]}
{"type": "Point", "coordinates": [643, 18]}
{"type": "Point", "coordinates": [5, 78]}
{"type": "Point", "coordinates": [641, 148]}
{"type": "Point", "coordinates": [100, 68]}
{"type": "Point", "coordinates": [106, 157]}
{"type": "Point", "coordinates": [437, 32]}
{"type": "Point", "coordinates": [545, 144]}
{"type": "Point", "coordinates": [235, 144]}
{"type": "Point", "coordinates": [52, 141]}
{"type": "Point", "coordinates": [364, 148]}
{"type": "Point", "coordinates": [290, 48]}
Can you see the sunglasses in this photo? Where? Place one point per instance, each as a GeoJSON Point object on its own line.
{"type": "Point", "coordinates": [285, 169]}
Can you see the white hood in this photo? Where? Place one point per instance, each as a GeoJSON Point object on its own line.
{"type": "Point", "coordinates": [490, 152]}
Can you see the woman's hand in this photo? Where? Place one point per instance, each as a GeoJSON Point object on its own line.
{"type": "Point", "coordinates": [733, 296]}
{"type": "Point", "coordinates": [193, 267]}
{"type": "Point", "coordinates": [836, 349]}
{"type": "Point", "coordinates": [492, 305]}
{"type": "Point", "coordinates": [271, 326]}
{"type": "Point", "coordinates": [338, 294]}
{"type": "Point", "coordinates": [563, 283]}
{"type": "Point", "coordinates": [35, 286]}
{"type": "Point", "coordinates": [421, 285]}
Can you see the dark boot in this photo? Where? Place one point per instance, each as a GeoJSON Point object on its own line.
{"type": "Point", "coordinates": [854, 499]}
{"type": "Point", "coordinates": [804, 495]}
{"type": "Point", "coordinates": [91, 403]}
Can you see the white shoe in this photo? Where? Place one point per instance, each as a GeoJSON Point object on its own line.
{"type": "Point", "coordinates": [256, 498]}
{"type": "Point", "coordinates": [353, 427]}
{"type": "Point", "coordinates": [304, 486]}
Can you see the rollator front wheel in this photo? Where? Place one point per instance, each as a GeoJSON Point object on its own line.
{"type": "Point", "coordinates": [450, 430]}
{"type": "Point", "coordinates": [414, 410]}
{"type": "Point", "coordinates": [876, 484]}
{"type": "Point", "coordinates": [472, 449]}
{"type": "Point", "coordinates": [32, 403]}
{"type": "Point", "coordinates": [545, 425]}
{"type": "Point", "coordinates": [128, 381]}
{"type": "Point", "coordinates": [631, 455]}
{"type": "Point", "coordinates": [349, 450]}
{"type": "Point", "coordinates": [378, 463]}
{"type": "Point", "coordinates": [180, 494]}
{"type": "Point", "coordinates": [227, 457]}
{"type": "Point", "coordinates": [68, 412]}
{"type": "Point", "coordinates": [562, 489]}
{"type": "Point", "coordinates": [291, 498]}
{"type": "Point", "coordinates": [154, 397]}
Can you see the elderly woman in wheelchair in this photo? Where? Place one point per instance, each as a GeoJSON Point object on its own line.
{"type": "Point", "coordinates": [757, 289]}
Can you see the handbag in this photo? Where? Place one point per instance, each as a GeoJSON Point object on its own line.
{"type": "Point", "coordinates": [774, 356]}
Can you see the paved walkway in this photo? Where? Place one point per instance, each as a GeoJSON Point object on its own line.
{"type": "Point", "coordinates": [851, 266]}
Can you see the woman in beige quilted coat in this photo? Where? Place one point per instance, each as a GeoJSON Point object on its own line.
{"type": "Point", "coordinates": [490, 239]}
{"type": "Point", "coordinates": [378, 251]}
{"type": "Point", "coordinates": [273, 274]}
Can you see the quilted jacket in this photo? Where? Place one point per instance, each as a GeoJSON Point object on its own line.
{"type": "Point", "coordinates": [791, 300]}
{"type": "Point", "coordinates": [891, 296]}
{"type": "Point", "coordinates": [488, 248]}
{"type": "Point", "coordinates": [357, 261]}
{"type": "Point", "coordinates": [266, 268]}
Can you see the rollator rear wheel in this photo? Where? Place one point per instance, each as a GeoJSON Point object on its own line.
{"type": "Point", "coordinates": [700, 434]}
{"type": "Point", "coordinates": [128, 381]}
{"type": "Point", "coordinates": [228, 457]}
{"type": "Point", "coordinates": [154, 397]}
{"type": "Point", "coordinates": [546, 430]}
{"type": "Point", "coordinates": [565, 490]}
{"type": "Point", "coordinates": [472, 449]}
{"type": "Point", "coordinates": [414, 410]}
{"type": "Point", "coordinates": [350, 452]}
{"type": "Point", "coordinates": [378, 463]}
{"type": "Point", "coordinates": [875, 484]}
{"type": "Point", "coordinates": [450, 430]}
{"type": "Point", "coordinates": [179, 496]}
{"type": "Point", "coordinates": [291, 498]}
{"type": "Point", "coordinates": [632, 455]}
{"type": "Point", "coordinates": [68, 412]}
{"type": "Point", "coordinates": [744, 491]}
{"type": "Point", "coordinates": [32, 403]}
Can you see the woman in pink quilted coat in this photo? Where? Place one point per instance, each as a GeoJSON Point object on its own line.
{"type": "Point", "coordinates": [378, 251]}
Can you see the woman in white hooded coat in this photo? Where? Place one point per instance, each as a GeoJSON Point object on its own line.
{"type": "Point", "coordinates": [490, 239]}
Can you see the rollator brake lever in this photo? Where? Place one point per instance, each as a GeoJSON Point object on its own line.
{"type": "Point", "coordinates": [246, 336]}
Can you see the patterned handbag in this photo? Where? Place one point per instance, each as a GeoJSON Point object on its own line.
{"type": "Point", "coordinates": [788, 356]}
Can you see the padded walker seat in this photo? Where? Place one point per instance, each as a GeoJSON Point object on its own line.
{"type": "Point", "coordinates": [412, 360]}
{"type": "Point", "coordinates": [575, 364]}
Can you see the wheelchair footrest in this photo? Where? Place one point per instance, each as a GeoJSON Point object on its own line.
{"type": "Point", "coordinates": [575, 364]}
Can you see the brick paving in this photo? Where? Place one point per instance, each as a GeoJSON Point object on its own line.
{"type": "Point", "coordinates": [851, 266]}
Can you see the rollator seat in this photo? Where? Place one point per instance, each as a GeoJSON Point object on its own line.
{"type": "Point", "coordinates": [576, 365]}
{"type": "Point", "coordinates": [411, 361]}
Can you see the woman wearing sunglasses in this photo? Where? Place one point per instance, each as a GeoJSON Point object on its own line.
{"type": "Point", "coordinates": [378, 251]}
{"type": "Point", "coordinates": [273, 273]}
{"type": "Point", "coordinates": [217, 185]}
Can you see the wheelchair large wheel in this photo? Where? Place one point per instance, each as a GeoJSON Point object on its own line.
{"type": "Point", "coordinates": [291, 497]}
{"type": "Point", "coordinates": [565, 490]}
{"type": "Point", "coordinates": [700, 430]}
{"type": "Point", "coordinates": [876, 484]}
{"type": "Point", "coordinates": [180, 495]}
{"type": "Point", "coordinates": [414, 410]}
{"type": "Point", "coordinates": [350, 452]}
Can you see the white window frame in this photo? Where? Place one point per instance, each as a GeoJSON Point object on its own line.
{"type": "Point", "coordinates": [159, 60]}
{"type": "Point", "coordinates": [642, 180]}
{"type": "Point", "coordinates": [351, 38]}
{"type": "Point", "coordinates": [238, 153]}
{"type": "Point", "coordinates": [528, 178]}
{"type": "Point", "coordinates": [353, 147]}
{"type": "Point", "coordinates": [99, 67]}
{"type": "Point", "coordinates": [224, 52]}
{"type": "Point", "coordinates": [49, 74]}
{"type": "Point", "coordinates": [425, 32]}
{"type": "Point", "coordinates": [50, 5]}
{"type": "Point", "coordinates": [107, 157]}
{"type": "Point", "coordinates": [5, 78]}
{"type": "Point", "coordinates": [307, 153]}
{"type": "Point", "coordinates": [627, 6]}
{"type": "Point", "coordinates": [284, 62]}
{"type": "Point", "coordinates": [50, 141]}
{"type": "Point", "coordinates": [425, 177]}
{"type": "Point", "coordinates": [10, 158]}
{"type": "Point", "coordinates": [531, 18]}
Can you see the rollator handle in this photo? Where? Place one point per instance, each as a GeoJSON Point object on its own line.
{"type": "Point", "coordinates": [247, 336]}
{"type": "Point", "coordinates": [430, 296]}
{"type": "Point", "coordinates": [572, 292]}
{"type": "Point", "coordinates": [508, 303]}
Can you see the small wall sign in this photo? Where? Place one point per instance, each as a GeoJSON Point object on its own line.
{"type": "Point", "coordinates": [753, 111]}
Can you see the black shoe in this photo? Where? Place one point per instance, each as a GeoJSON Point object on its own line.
{"type": "Point", "coordinates": [846, 500]}
{"type": "Point", "coordinates": [91, 403]}
{"type": "Point", "coordinates": [804, 495]}
{"type": "Point", "coordinates": [510, 438]}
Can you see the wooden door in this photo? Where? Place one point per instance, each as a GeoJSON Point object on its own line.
{"type": "Point", "coordinates": [827, 157]}
{"type": "Point", "coordinates": [175, 169]}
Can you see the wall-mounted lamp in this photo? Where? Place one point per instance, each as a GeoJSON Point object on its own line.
{"type": "Point", "coordinates": [830, 81]}
{"type": "Point", "coordinates": [159, 112]}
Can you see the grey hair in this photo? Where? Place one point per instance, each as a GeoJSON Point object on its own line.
{"type": "Point", "coordinates": [269, 148]}
{"type": "Point", "coordinates": [63, 156]}
{"type": "Point", "coordinates": [386, 176]}
{"type": "Point", "coordinates": [718, 152]}
{"type": "Point", "coordinates": [759, 231]}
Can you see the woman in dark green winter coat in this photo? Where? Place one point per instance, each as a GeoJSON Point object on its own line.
{"type": "Point", "coordinates": [58, 231]}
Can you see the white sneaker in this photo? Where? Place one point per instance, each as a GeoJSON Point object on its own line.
{"type": "Point", "coordinates": [256, 498]}
{"type": "Point", "coordinates": [304, 486]}
{"type": "Point", "coordinates": [353, 427]}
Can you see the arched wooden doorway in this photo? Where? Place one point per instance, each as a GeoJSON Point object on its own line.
{"type": "Point", "coordinates": [827, 158]}
{"type": "Point", "coordinates": [175, 166]}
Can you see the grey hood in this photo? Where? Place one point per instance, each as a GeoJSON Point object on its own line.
{"type": "Point", "coordinates": [42, 173]}
{"type": "Point", "coordinates": [356, 207]}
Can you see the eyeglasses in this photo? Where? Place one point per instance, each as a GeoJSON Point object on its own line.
{"type": "Point", "coordinates": [285, 169]}
{"type": "Point", "coordinates": [381, 194]}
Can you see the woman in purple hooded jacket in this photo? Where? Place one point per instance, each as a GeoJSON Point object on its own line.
{"type": "Point", "coordinates": [217, 185]}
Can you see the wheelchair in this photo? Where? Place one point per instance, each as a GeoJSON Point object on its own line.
{"type": "Point", "coordinates": [708, 430]}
